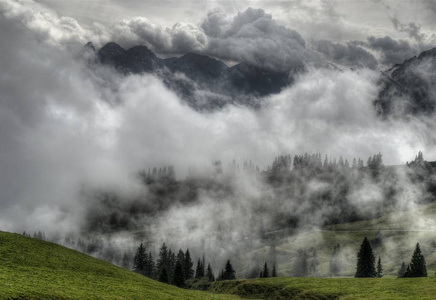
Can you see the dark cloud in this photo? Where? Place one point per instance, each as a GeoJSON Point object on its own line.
{"type": "Point", "coordinates": [348, 55]}
{"type": "Point", "coordinates": [392, 51]}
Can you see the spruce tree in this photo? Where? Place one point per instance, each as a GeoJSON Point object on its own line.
{"type": "Point", "coordinates": [140, 260]}
{"type": "Point", "coordinates": [365, 261]}
{"type": "Point", "coordinates": [209, 273]}
{"type": "Point", "coordinates": [379, 268]}
{"type": "Point", "coordinates": [274, 271]}
{"type": "Point", "coordinates": [265, 272]}
{"type": "Point", "coordinates": [402, 270]}
{"type": "Point", "coordinates": [150, 267]}
{"type": "Point", "coordinates": [417, 265]}
{"type": "Point", "coordinates": [179, 277]}
{"type": "Point", "coordinates": [189, 272]}
{"type": "Point", "coordinates": [162, 261]}
{"type": "Point", "coordinates": [229, 272]}
{"type": "Point", "coordinates": [198, 270]}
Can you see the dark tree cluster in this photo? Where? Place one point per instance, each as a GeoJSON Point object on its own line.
{"type": "Point", "coordinates": [417, 266]}
{"type": "Point", "coordinates": [177, 269]}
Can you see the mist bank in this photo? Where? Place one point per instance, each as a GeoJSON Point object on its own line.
{"type": "Point", "coordinates": [74, 139]}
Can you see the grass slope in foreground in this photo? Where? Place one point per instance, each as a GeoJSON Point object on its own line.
{"type": "Point", "coordinates": [34, 269]}
{"type": "Point", "coordinates": [330, 288]}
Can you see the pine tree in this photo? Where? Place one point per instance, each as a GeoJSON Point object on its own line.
{"type": "Point", "coordinates": [162, 261]}
{"type": "Point", "coordinates": [379, 268]}
{"type": "Point", "coordinates": [402, 270]}
{"type": "Point", "coordinates": [189, 272]}
{"type": "Point", "coordinates": [150, 267]}
{"type": "Point", "coordinates": [179, 277]}
{"type": "Point", "coordinates": [140, 260]}
{"type": "Point", "coordinates": [335, 261]}
{"type": "Point", "coordinates": [198, 274]}
{"type": "Point", "coordinates": [229, 272]}
{"type": "Point", "coordinates": [274, 271]}
{"type": "Point", "coordinates": [209, 273]}
{"type": "Point", "coordinates": [417, 265]}
{"type": "Point", "coordinates": [265, 272]}
{"type": "Point", "coordinates": [365, 261]}
{"type": "Point", "coordinates": [261, 274]}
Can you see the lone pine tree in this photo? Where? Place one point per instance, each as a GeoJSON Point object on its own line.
{"type": "Point", "coordinates": [365, 261]}
{"type": "Point", "coordinates": [379, 268]}
{"type": "Point", "coordinates": [265, 271]}
{"type": "Point", "coordinates": [274, 271]}
{"type": "Point", "coordinates": [417, 266]}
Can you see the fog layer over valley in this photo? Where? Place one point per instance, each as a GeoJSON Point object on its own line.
{"type": "Point", "coordinates": [118, 158]}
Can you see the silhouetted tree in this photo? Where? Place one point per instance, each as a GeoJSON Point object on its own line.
{"type": "Point", "coordinates": [178, 277]}
{"type": "Point", "coordinates": [162, 261]}
{"type": "Point", "coordinates": [140, 260]}
{"type": "Point", "coordinates": [209, 274]}
{"type": "Point", "coordinates": [265, 271]}
{"type": "Point", "coordinates": [365, 261]}
{"type": "Point", "coordinates": [274, 271]}
{"type": "Point", "coordinates": [189, 272]}
{"type": "Point", "coordinates": [379, 268]}
{"type": "Point", "coordinates": [417, 266]}
{"type": "Point", "coordinates": [229, 272]}
{"type": "Point", "coordinates": [402, 270]}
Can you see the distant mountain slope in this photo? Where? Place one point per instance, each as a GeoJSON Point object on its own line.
{"type": "Point", "coordinates": [34, 269]}
{"type": "Point", "coordinates": [409, 88]}
{"type": "Point", "coordinates": [207, 84]}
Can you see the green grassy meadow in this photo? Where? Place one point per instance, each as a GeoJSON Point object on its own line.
{"type": "Point", "coordinates": [330, 288]}
{"type": "Point", "coordinates": [34, 269]}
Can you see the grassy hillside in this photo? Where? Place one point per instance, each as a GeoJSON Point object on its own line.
{"type": "Point", "coordinates": [392, 236]}
{"type": "Point", "coordinates": [330, 288]}
{"type": "Point", "coordinates": [34, 269]}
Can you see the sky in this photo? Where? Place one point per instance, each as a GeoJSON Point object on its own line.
{"type": "Point", "coordinates": [66, 128]}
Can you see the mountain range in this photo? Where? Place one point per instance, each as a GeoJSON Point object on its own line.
{"type": "Point", "coordinates": [206, 83]}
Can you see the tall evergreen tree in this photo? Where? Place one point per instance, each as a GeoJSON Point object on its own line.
{"type": "Point", "coordinates": [365, 261]}
{"type": "Point", "coordinates": [178, 277]}
{"type": "Point", "coordinates": [189, 272]}
{"type": "Point", "coordinates": [274, 271]}
{"type": "Point", "coordinates": [162, 261]}
{"type": "Point", "coordinates": [150, 267]}
{"type": "Point", "coordinates": [379, 268]}
{"type": "Point", "coordinates": [209, 273]}
{"type": "Point", "coordinates": [140, 260]}
{"type": "Point", "coordinates": [265, 270]}
{"type": "Point", "coordinates": [198, 270]}
{"type": "Point", "coordinates": [417, 264]}
{"type": "Point", "coordinates": [402, 270]}
{"type": "Point", "coordinates": [229, 272]}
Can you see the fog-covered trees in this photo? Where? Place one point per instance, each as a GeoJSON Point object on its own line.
{"type": "Point", "coordinates": [228, 273]}
{"type": "Point", "coordinates": [365, 261]}
{"type": "Point", "coordinates": [335, 261]}
{"type": "Point", "coordinates": [300, 268]}
{"type": "Point", "coordinates": [140, 260]}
